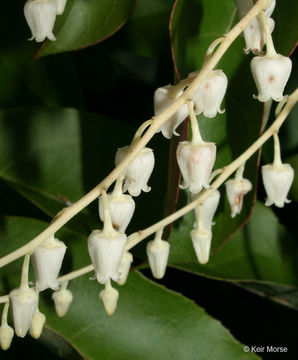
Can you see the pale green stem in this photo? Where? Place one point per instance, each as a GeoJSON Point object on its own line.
{"type": "Point", "coordinates": [277, 158]}
{"type": "Point", "coordinates": [239, 172]}
{"type": "Point", "coordinates": [107, 224]}
{"type": "Point", "coordinates": [158, 235]}
{"type": "Point", "coordinates": [140, 132]}
{"type": "Point", "coordinates": [196, 135]}
{"type": "Point", "coordinates": [117, 192]}
{"type": "Point", "coordinates": [64, 285]}
{"type": "Point", "coordinates": [25, 272]}
{"type": "Point", "coordinates": [5, 313]}
{"type": "Point", "coordinates": [270, 49]}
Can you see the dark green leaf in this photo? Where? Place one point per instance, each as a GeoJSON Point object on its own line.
{"type": "Point", "coordinates": [85, 23]}
{"type": "Point", "coordinates": [263, 251]}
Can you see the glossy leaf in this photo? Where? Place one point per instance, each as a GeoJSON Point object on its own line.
{"type": "Point", "coordinates": [85, 23]}
{"type": "Point", "coordinates": [263, 251]}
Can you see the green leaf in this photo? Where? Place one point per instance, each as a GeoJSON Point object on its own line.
{"type": "Point", "coordinates": [53, 157]}
{"type": "Point", "coordinates": [150, 323]}
{"type": "Point", "coordinates": [263, 251]}
{"type": "Point", "coordinates": [85, 23]}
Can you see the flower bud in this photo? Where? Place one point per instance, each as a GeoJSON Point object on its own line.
{"type": "Point", "coordinates": [106, 251]}
{"type": "Point", "coordinates": [24, 303]}
{"type": "Point", "coordinates": [208, 209]}
{"type": "Point", "coordinates": [62, 300]}
{"type": "Point", "coordinates": [47, 260]}
{"type": "Point", "coordinates": [37, 324]}
{"type": "Point", "coordinates": [6, 335]}
{"type": "Point", "coordinates": [124, 267]}
{"type": "Point", "coordinates": [271, 75]}
{"type": "Point", "coordinates": [158, 253]}
{"type": "Point", "coordinates": [138, 171]}
{"type": "Point", "coordinates": [109, 297]}
{"type": "Point", "coordinates": [208, 97]}
{"type": "Point", "coordinates": [60, 6]}
{"type": "Point", "coordinates": [277, 181]}
{"type": "Point", "coordinates": [236, 189]}
{"type": "Point", "coordinates": [40, 16]}
{"type": "Point", "coordinates": [201, 240]}
{"type": "Point", "coordinates": [121, 208]}
{"type": "Point", "coordinates": [196, 163]}
{"type": "Point", "coordinates": [162, 100]}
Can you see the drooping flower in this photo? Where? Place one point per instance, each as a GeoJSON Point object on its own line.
{"type": "Point", "coordinates": [122, 208]}
{"type": "Point", "coordinates": [158, 253]}
{"type": "Point", "coordinates": [207, 99]}
{"type": "Point", "coordinates": [163, 99]}
{"type": "Point", "coordinates": [47, 260]}
{"type": "Point", "coordinates": [62, 300]}
{"type": "Point", "coordinates": [40, 16]}
{"type": "Point", "coordinates": [236, 189]}
{"type": "Point", "coordinates": [271, 75]}
{"type": "Point", "coordinates": [196, 162]}
{"type": "Point", "coordinates": [201, 240]}
{"type": "Point", "coordinates": [37, 324]}
{"type": "Point", "coordinates": [254, 35]}
{"type": "Point", "coordinates": [109, 297]}
{"type": "Point", "coordinates": [138, 171]}
{"type": "Point", "coordinates": [106, 251]}
{"type": "Point", "coordinates": [277, 181]}
{"type": "Point", "coordinates": [124, 267]}
{"type": "Point", "coordinates": [207, 210]}
{"type": "Point", "coordinates": [6, 331]}
{"type": "Point", "coordinates": [24, 303]}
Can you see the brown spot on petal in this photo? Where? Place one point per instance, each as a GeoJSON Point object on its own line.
{"type": "Point", "coordinates": [271, 78]}
{"type": "Point", "coordinates": [207, 85]}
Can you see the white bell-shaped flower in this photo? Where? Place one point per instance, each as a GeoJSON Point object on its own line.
{"type": "Point", "coordinates": [138, 171]}
{"type": "Point", "coordinates": [196, 162]}
{"type": "Point", "coordinates": [37, 324]}
{"type": "Point", "coordinates": [207, 210]}
{"type": "Point", "coordinates": [121, 207]}
{"type": "Point", "coordinates": [254, 35]}
{"type": "Point", "coordinates": [162, 100]}
{"type": "Point", "coordinates": [6, 331]}
{"type": "Point", "coordinates": [109, 297]}
{"type": "Point", "coordinates": [236, 189]}
{"type": "Point", "coordinates": [271, 75]}
{"type": "Point", "coordinates": [24, 303]}
{"type": "Point", "coordinates": [106, 251]}
{"type": "Point", "coordinates": [62, 300]}
{"type": "Point", "coordinates": [277, 182]}
{"type": "Point", "coordinates": [47, 260]}
{"type": "Point", "coordinates": [207, 99]}
{"type": "Point", "coordinates": [201, 240]}
{"type": "Point", "coordinates": [277, 178]}
{"type": "Point", "coordinates": [158, 253]}
{"type": "Point", "coordinates": [60, 6]}
{"type": "Point", "coordinates": [40, 16]}
{"type": "Point", "coordinates": [124, 267]}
